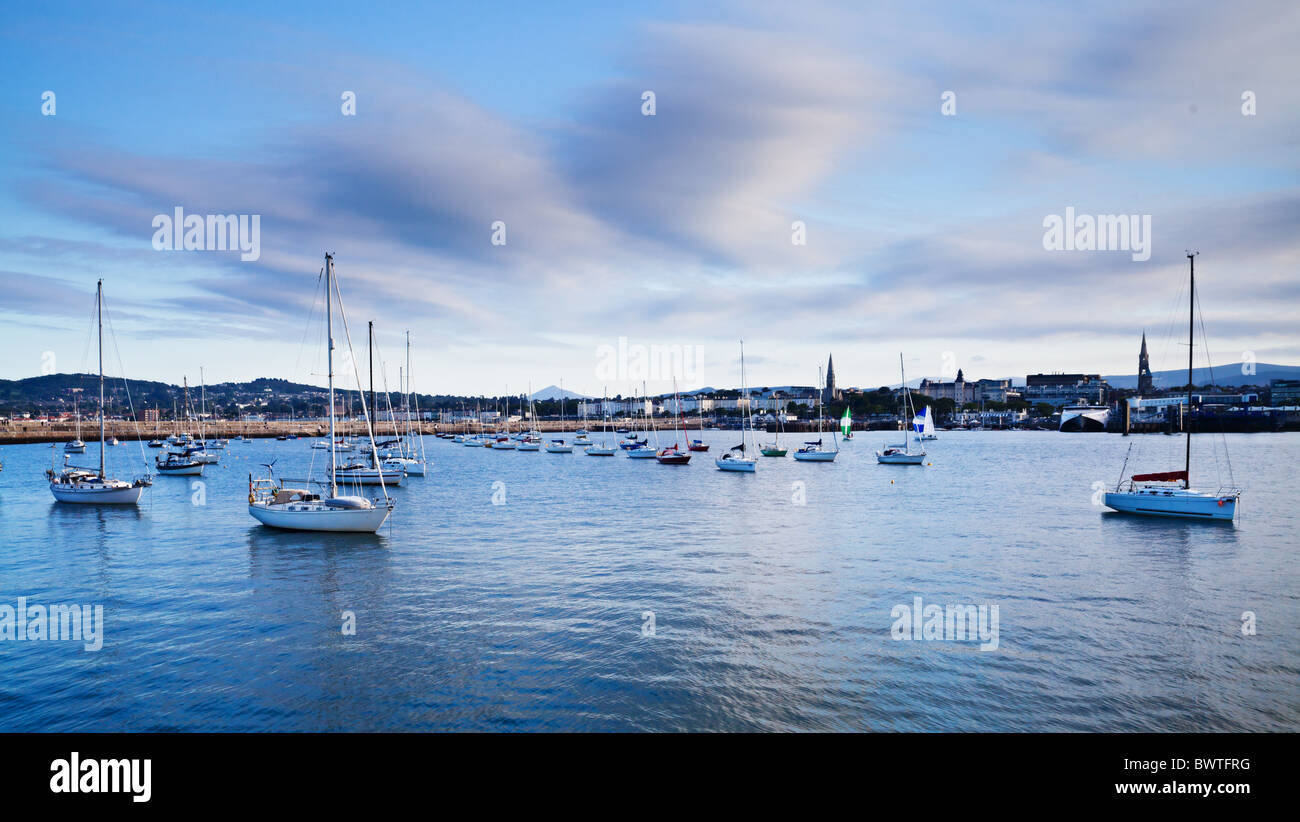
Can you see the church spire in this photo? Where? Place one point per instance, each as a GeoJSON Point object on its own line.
{"type": "Point", "coordinates": [1146, 384]}
{"type": "Point", "coordinates": [830, 392]}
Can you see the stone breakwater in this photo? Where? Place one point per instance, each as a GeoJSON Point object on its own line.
{"type": "Point", "coordinates": [29, 431]}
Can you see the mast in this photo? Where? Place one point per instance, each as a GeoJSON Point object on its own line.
{"type": "Point", "coordinates": [329, 347]}
{"type": "Point", "coordinates": [99, 316]}
{"type": "Point", "coordinates": [370, 352]}
{"type": "Point", "coordinates": [907, 400]}
{"type": "Point", "coordinates": [743, 396]}
{"type": "Point", "coordinates": [203, 404]}
{"type": "Point", "coordinates": [406, 395]}
{"type": "Point", "coordinates": [821, 391]}
{"type": "Point", "coordinates": [1191, 330]}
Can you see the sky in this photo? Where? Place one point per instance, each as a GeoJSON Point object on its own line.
{"type": "Point", "coordinates": [917, 149]}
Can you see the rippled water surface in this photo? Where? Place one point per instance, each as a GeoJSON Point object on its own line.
{"type": "Point", "coordinates": [767, 614]}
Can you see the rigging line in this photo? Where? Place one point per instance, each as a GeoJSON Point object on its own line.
{"type": "Point", "coordinates": [112, 335]}
{"type": "Point", "coordinates": [310, 316]}
{"type": "Point", "coordinates": [85, 351]}
{"type": "Point", "coordinates": [370, 429]}
{"type": "Point", "coordinates": [1173, 314]}
{"type": "Point", "coordinates": [1209, 362]}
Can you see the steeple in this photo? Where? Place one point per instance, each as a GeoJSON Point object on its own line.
{"type": "Point", "coordinates": [1145, 382]}
{"type": "Point", "coordinates": [830, 393]}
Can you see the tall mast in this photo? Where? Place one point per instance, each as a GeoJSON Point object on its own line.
{"type": "Point", "coordinates": [370, 352]}
{"type": "Point", "coordinates": [406, 395]}
{"type": "Point", "coordinates": [329, 336]}
{"type": "Point", "coordinates": [743, 411]}
{"type": "Point", "coordinates": [99, 315]}
{"type": "Point", "coordinates": [821, 392]}
{"type": "Point", "coordinates": [1191, 330]}
{"type": "Point", "coordinates": [908, 414]}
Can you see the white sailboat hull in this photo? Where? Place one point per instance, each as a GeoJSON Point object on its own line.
{"type": "Point", "coordinates": [369, 476]}
{"type": "Point", "coordinates": [313, 518]}
{"type": "Point", "coordinates": [641, 453]}
{"type": "Point", "coordinates": [900, 458]}
{"type": "Point", "coordinates": [412, 467]}
{"type": "Point", "coordinates": [97, 495]}
{"type": "Point", "coordinates": [1173, 502]}
{"type": "Point", "coordinates": [600, 451]}
{"type": "Point", "coordinates": [743, 466]}
{"type": "Point", "coordinates": [815, 456]}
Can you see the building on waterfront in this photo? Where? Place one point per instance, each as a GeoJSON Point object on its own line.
{"type": "Point", "coordinates": [151, 415]}
{"type": "Point", "coordinates": [1059, 390]}
{"type": "Point", "coordinates": [962, 392]}
{"type": "Point", "coordinates": [1284, 392]}
{"type": "Point", "coordinates": [1146, 385]}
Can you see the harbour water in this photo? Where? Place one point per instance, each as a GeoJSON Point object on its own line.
{"type": "Point", "coordinates": [616, 594]}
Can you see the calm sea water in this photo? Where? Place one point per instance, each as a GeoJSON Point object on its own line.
{"type": "Point", "coordinates": [767, 614]}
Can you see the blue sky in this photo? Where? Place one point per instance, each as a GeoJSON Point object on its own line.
{"type": "Point", "coordinates": [924, 230]}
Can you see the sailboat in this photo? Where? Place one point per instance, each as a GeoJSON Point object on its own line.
{"type": "Point", "coordinates": [531, 441]}
{"type": "Point", "coordinates": [773, 448]}
{"type": "Point", "coordinates": [502, 441]}
{"type": "Point", "coordinates": [846, 425]}
{"type": "Point", "coordinates": [675, 454]}
{"type": "Point", "coordinates": [406, 459]}
{"type": "Point", "coordinates": [83, 485]}
{"type": "Point", "coordinates": [924, 425]}
{"type": "Point", "coordinates": [641, 449]}
{"type": "Point", "coordinates": [581, 437]}
{"type": "Point", "coordinates": [903, 454]}
{"type": "Point", "coordinates": [735, 459]}
{"type": "Point", "coordinates": [173, 463]}
{"type": "Point", "coordinates": [1170, 493]}
{"type": "Point", "coordinates": [216, 443]}
{"type": "Point", "coordinates": [558, 445]}
{"type": "Point", "coordinates": [603, 448]}
{"type": "Point", "coordinates": [184, 453]}
{"type": "Point", "coordinates": [300, 510]}
{"type": "Point", "coordinates": [697, 444]}
{"type": "Point", "coordinates": [77, 445]}
{"type": "Point", "coordinates": [814, 450]}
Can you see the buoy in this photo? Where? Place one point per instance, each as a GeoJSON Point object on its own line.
{"type": "Point", "coordinates": [891, 482]}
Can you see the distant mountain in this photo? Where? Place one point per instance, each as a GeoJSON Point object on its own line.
{"type": "Point", "coordinates": [1228, 375]}
{"type": "Point", "coordinates": [553, 392]}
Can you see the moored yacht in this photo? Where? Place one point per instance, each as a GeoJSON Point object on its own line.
{"type": "Point", "coordinates": [815, 450]}
{"type": "Point", "coordinates": [736, 458]}
{"type": "Point", "coordinates": [82, 485]}
{"type": "Point", "coordinates": [903, 453]}
{"type": "Point", "coordinates": [301, 510]}
{"type": "Point", "coordinates": [1170, 493]}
